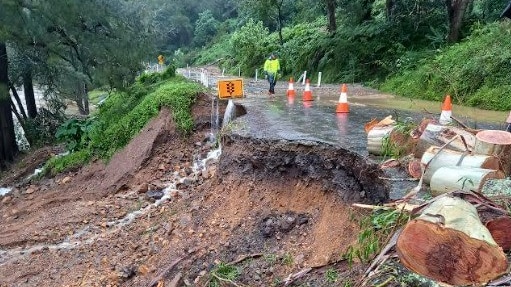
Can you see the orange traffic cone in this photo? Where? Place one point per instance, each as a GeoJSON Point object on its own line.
{"type": "Point", "coordinates": [342, 106]}
{"type": "Point", "coordinates": [291, 88]}
{"type": "Point", "coordinates": [307, 94]}
{"type": "Point", "coordinates": [445, 116]}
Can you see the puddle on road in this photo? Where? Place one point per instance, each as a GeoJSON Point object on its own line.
{"type": "Point", "coordinates": [470, 114]}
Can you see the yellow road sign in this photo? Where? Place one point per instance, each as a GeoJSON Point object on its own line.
{"type": "Point", "coordinates": [232, 88]}
{"type": "Point", "coordinates": [161, 59]}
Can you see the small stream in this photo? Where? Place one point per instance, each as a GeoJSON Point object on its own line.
{"type": "Point", "coordinates": [89, 234]}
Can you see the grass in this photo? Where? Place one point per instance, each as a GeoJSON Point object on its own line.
{"type": "Point", "coordinates": [376, 229]}
{"type": "Point", "coordinates": [223, 273]}
{"type": "Point", "coordinates": [124, 113]}
{"type": "Point", "coordinates": [331, 276]}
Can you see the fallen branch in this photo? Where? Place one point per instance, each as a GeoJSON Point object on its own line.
{"type": "Point", "coordinates": [398, 179]}
{"type": "Point", "coordinates": [164, 273]}
{"type": "Point", "coordinates": [460, 123]}
{"type": "Point", "coordinates": [245, 257]}
{"type": "Point", "coordinates": [293, 277]}
{"type": "Point", "coordinates": [381, 258]}
{"type": "Point", "coordinates": [226, 280]}
{"type": "Point", "coordinates": [504, 281]}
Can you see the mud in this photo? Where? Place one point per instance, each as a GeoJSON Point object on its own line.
{"type": "Point", "coordinates": [348, 175]}
{"type": "Point", "coordinates": [269, 208]}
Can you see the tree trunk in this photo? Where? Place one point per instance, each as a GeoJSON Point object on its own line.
{"type": "Point", "coordinates": [279, 21]}
{"type": "Point", "coordinates": [496, 143]}
{"type": "Point", "coordinates": [455, 12]}
{"type": "Point", "coordinates": [454, 158]}
{"type": "Point", "coordinates": [376, 137]}
{"type": "Point", "coordinates": [438, 135]}
{"type": "Point", "coordinates": [451, 178]}
{"type": "Point", "coordinates": [28, 88]}
{"type": "Point", "coordinates": [18, 100]}
{"type": "Point", "coordinates": [448, 243]}
{"type": "Point", "coordinates": [8, 148]}
{"type": "Point", "coordinates": [86, 99]}
{"type": "Point", "coordinates": [332, 21]}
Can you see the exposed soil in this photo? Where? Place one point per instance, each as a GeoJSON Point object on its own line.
{"type": "Point", "coordinates": [270, 209]}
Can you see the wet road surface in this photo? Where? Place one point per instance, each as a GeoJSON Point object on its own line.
{"type": "Point", "coordinates": [292, 119]}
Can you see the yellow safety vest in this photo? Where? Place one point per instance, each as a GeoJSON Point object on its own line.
{"type": "Point", "coordinates": [272, 66]}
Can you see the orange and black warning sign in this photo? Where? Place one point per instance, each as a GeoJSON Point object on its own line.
{"type": "Point", "coordinates": [228, 89]}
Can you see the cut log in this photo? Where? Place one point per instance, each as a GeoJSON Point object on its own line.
{"type": "Point", "coordinates": [500, 231]}
{"type": "Point", "coordinates": [448, 243]}
{"type": "Point", "coordinates": [438, 135]}
{"type": "Point", "coordinates": [450, 178]}
{"type": "Point", "coordinates": [415, 169]}
{"type": "Point", "coordinates": [376, 137]}
{"type": "Point", "coordinates": [454, 158]}
{"type": "Point", "coordinates": [496, 143]}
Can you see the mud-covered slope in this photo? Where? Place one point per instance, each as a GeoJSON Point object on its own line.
{"type": "Point", "coordinates": [352, 177]}
{"type": "Point", "coordinates": [284, 206]}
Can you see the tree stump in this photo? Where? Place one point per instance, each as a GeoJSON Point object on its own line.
{"type": "Point", "coordinates": [500, 231]}
{"type": "Point", "coordinates": [376, 137]}
{"type": "Point", "coordinates": [448, 243]}
{"type": "Point", "coordinates": [454, 158]}
{"type": "Point", "coordinates": [438, 135]}
{"type": "Point", "coordinates": [496, 143]}
{"type": "Point", "coordinates": [450, 178]}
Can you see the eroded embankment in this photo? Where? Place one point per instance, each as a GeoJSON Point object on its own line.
{"type": "Point", "coordinates": [353, 177]}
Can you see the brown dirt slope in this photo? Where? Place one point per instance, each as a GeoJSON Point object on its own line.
{"type": "Point", "coordinates": [104, 225]}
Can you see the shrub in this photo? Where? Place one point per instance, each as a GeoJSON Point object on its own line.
{"type": "Point", "coordinates": [475, 72]}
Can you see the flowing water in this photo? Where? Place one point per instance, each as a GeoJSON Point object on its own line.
{"type": "Point", "coordinates": [89, 234]}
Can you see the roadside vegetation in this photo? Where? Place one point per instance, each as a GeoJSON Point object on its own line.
{"type": "Point", "coordinates": [419, 49]}
{"type": "Point", "coordinates": [122, 115]}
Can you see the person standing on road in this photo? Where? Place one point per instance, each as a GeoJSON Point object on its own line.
{"type": "Point", "coordinates": [271, 70]}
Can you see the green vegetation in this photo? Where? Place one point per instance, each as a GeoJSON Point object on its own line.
{"type": "Point", "coordinates": [475, 72]}
{"type": "Point", "coordinates": [123, 115]}
{"type": "Point", "coordinates": [376, 229]}
{"type": "Point", "coordinates": [331, 276]}
{"type": "Point", "coordinates": [287, 259]}
{"type": "Point", "coordinates": [417, 49]}
{"type": "Point", "coordinates": [223, 273]}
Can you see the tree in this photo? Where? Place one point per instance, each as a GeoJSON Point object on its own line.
{"type": "Point", "coordinates": [273, 13]}
{"type": "Point", "coordinates": [455, 12]}
{"type": "Point", "coordinates": [8, 147]}
{"type": "Point", "coordinates": [332, 21]}
{"type": "Point", "coordinates": [205, 28]}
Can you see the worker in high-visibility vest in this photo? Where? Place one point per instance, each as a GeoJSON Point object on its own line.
{"type": "Point", "coordinates": [161, 62]}
{"type": "Point", "coordinates": [271, 70]}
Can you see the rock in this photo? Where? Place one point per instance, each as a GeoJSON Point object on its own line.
{"type": "Point", "coordinates": [299, 259]}
{"type": "Point", "coordinates": [30, 190]}
{"type": "Point", "coordinates": [205, 174]}
{"type": "Point", "coordinates": [143, 269]}
{"type": "Point", "coordinates": [66, 179]}
{"type": "Point", "coordinates": [6, 199]}
{"type": "Point", "coordinates": [154, 194]}
{"type": "Point", "coordinates": [161, 167]}
{"type": "Point", "coordinates": [144, 187]}
{"type": "Point", "coordinates": [302, 219]}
